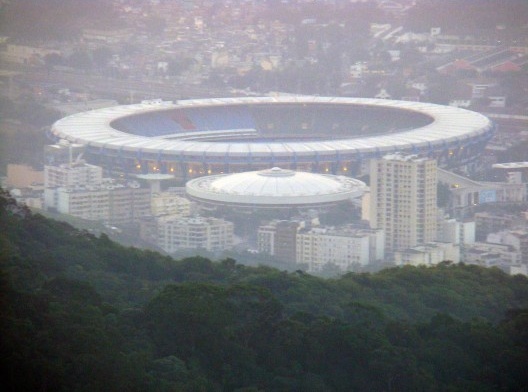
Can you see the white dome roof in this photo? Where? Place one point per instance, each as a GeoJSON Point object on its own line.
{"type": "Point", "coordinates": [275, 187]}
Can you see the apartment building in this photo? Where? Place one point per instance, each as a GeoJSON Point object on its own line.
{"type": "Point", "coordinates": [429, 254]}
{"type": "Point", "coordinates": [178, 233]}
{"type": "Point", "coordinates": [169, 203]}
{"type": "Point", "coordinates": [344, 247]}
{"type": "Point", "coordinates": [517, 238]}
{"type": "Point", "coordinates": [72, 174]}
{"type": "Point", "coordinates": [489, 254]}
{"type": "Point", "coordinates": [456, 232]}
{"type": "Point", "coordinates": [487, 223]}
{"type": "Point", "coordinates": [278, 238]}
{"type": "Point", "coordinates": [114, 204]}
{"type": "Point", "coordinates": [403, 200]}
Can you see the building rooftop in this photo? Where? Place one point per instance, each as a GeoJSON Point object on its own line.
{"type": "Point", "coordinates": [405, 158]}
{"type": "Point", "coordinates": [511, 165]}
{"type": "Point", "coordinates": [275, 186]}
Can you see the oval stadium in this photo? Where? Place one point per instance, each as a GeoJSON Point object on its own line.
{"type": "Point", "coordinates": [192, 138]}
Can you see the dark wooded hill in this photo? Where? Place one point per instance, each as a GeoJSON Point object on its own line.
{"type": "Point", "coordinates": [81, 313]}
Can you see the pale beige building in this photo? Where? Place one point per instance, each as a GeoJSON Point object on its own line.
{"type": "Point", "coordinates": [169, 203]}
{"type": "Point", "coordinates": [428, 254]}
{"type": "Point", "coordinates": [179, 233]}
{"type": "Point", "coordinates": [344, 247]}
{"type": "Point", "coordinates": [114, 204]}
{"type": "Point", "coordinates": [23, 176]}
{"type": "Point", "coordinates": [69, 175]}
{"type": "Point", "coordinates": [403, 200]}
{"type": "Point", "coordinates": [489, 254]}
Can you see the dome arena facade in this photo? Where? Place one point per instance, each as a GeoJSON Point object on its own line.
{"type": "Point", "coordinates": [193, 138]}
{"type": "Point", "coordinates": [274, 188]}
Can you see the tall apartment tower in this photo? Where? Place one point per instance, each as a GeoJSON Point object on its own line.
{"type": "Point", "coordinates": [403, 200]}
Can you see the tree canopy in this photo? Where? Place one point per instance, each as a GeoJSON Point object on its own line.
{"type": "Point", "coordinates": [80, 312]}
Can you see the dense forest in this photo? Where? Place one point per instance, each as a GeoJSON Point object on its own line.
{"type": "Point", "coordinates": [82, 313]}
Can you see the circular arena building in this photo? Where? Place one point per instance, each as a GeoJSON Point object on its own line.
{"type": "Point", "coordinates": [274, 188]}
{"type": "Point", "coordinates": [332, 135]}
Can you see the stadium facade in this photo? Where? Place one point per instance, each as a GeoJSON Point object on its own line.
{"type": "Point", "coordinates": [193, 138]}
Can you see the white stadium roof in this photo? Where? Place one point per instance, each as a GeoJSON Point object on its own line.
{"type": "Point", "coordinates": [275, 187]}
{"type": "Point", "coordinates": [449, 125]}
{"type": "Point", "coordinates": [511, 165]}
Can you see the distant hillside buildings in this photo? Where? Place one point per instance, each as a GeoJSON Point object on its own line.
{"type": "Point", "coordinates": [111, 204]}
{"type": "Point", "coordinates": [79, 189]}
{"type": "Point", "coordinates": [407, 227]}
{"type": "Point", "coordinates": [495, 59]}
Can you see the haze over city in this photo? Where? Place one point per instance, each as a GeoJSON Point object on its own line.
{"type": "Point", "coordinates": [228, 169]}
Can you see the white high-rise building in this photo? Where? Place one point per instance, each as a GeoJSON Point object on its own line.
{"type": "Point", "coordinates": [403, 200]}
